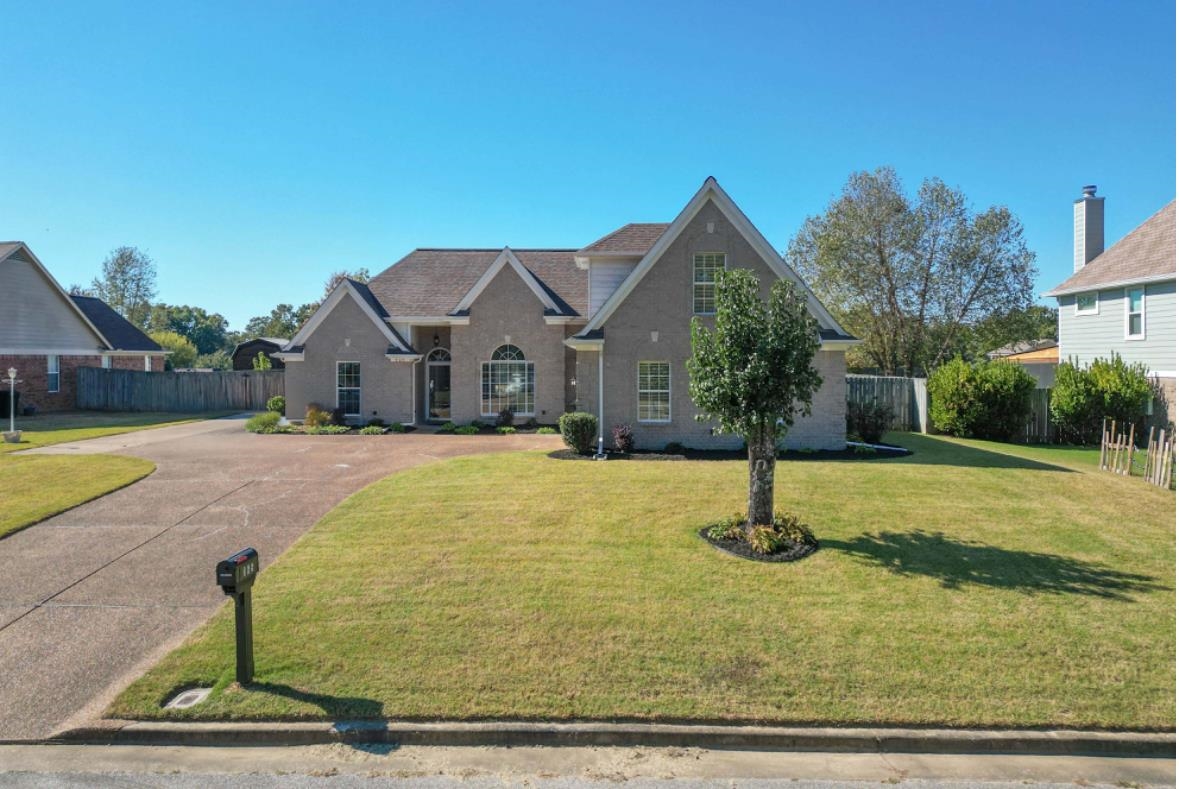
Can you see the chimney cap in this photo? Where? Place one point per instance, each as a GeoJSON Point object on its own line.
{"type": "Point", "coordinates": [1089, 190]}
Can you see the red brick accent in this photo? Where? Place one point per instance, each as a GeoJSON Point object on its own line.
{"type": "Point", "coordinates": [33, 372]}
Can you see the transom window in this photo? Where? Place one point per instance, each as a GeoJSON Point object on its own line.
{"type": "Point", "coordinates": [438, 355]}
{"type": "Point", "coordinates": [705, 267]}
{"type": "Point", "coordinates": [1086, 304]}
{"type": "Point", "coordinates": [348, 388]}
{"type": "Point", "coordinates": [508, 381]}
{"type": "Point", "coordinates": [654, 391]}
{"type": "Point", "coordinates": [1135, 314]}
{"type": "Point", "coordinates": [54, 373]}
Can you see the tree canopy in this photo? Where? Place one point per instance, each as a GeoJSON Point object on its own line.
{"type": "Point", "coordinates": [183, 353]}
{"type": "Point", "coordinates": [283, 321]}
{"type": "Point", "coordinates": [127, 284]}
{"type": "Point", "coordinates": [912, 276]}
{"type": "Point", "coordinates": [208, 332]}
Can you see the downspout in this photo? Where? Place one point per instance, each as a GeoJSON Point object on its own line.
{"type": "Point", "coordinates": [601, 405]}
{"type": "Point", "coordinates": [413, 394]}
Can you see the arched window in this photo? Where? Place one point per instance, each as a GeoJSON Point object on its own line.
{"type": "Point", "coordinates": [438, 355]}
{"type": "Point", "coordinates": [508, 381]}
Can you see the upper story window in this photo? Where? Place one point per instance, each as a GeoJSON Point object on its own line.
{"type": "Point", "coordinates": [705, 267]}
{"type": "Point", "coordinates": [1135, 314]}
{"type": "Point", "coordinates": [508, 381]}
{"type": "Point", "coordinates": [1086, 304]}
{"type": "Point", "coordinates": [53, 373]}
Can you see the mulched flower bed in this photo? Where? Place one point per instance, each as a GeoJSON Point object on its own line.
{"type": "Point", "coordinates": [851, 453]}
{"type": "Point", "coordinates": [741, 549]}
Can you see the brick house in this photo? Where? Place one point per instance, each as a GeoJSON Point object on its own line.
{"type": "Point", "coordinates": [47, 334]}
{"type": "Point", "coordinates": [461, 334]}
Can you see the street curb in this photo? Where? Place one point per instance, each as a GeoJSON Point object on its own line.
{"type": "Point", "coordinates": [945, 741]}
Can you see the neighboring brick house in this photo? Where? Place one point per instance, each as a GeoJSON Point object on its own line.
{"type": "Point", "coordinates": [1122, 299]}
{"type": "Point", "coordinates": [46, 334]}
{"type": "Point", "coordinates": [460, 334]}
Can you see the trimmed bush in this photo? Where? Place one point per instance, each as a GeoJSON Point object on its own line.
{"type": "Point", "coordinates": [466, 430]}
{"type": "Point", "coordinates": [447, 427]}
{"type": "Point", "coordinates": [505, 430]}
{"type": "Point", "coordinates": [505, 418]}
{"type": "Point", "coordinates": [396, 427]}
{"type": "Point", "coordinates": [266, 422]}
{"type": "Point", "coordinates": [372, 430]}
{"type": "Point", "coordinates": [579, 431]}
{"type": "Point", "coordinates": [868, 422]}
{"type": "Point", "coordinates": [1082, 397]}
{"type": "Point", "coordinates": [546, 431]}
{"type": "Point", "coordinates": [985, 400]}
{"type": "Point", "coordinates": [277, 404]}
{"type": "Point", "coordinates": [327, 430]}
{"type": "Point", "coordinates": [624, 438]}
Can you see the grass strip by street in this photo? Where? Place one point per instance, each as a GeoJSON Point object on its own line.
{"type": "Point", "coordinates": [34, 488]}
{"type": "Point", "coordinates": [969, 584]}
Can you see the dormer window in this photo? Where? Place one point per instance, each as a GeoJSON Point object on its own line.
{"type": "Point", "coordinates": [705, 267]}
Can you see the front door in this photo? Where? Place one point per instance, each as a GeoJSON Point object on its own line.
{"type": "Point", "coordinates": [438, 393]}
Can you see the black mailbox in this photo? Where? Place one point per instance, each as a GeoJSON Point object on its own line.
{"type": "Point", "coordinates": [237, 573]}
{"type": "Point", "coordinates": [235, 576]}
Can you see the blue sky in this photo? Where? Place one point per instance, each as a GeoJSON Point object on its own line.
{"type": "Point", "coordinates": [252, 148]}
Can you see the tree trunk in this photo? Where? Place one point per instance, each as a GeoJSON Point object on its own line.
{"type": "Point", "coordinates": [762, 456]}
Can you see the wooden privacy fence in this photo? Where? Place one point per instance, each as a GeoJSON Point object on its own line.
{"type": "Point", "coordinates": [1039, 428]}
{"type": "Point", "coordinates": [906, 397]}
{"type": "Point", "coordinates": [130, 390]}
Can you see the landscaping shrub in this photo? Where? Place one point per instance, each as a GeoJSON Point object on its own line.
{"type": "Point", "coordinates": [1082, 397]}
{"type": "Point", "coordinates": [786, 534]}
{"type": "Point", "coordinates": [338, 416]}
{"type": "Point", "coordinates": [316, 416]}
{"type": "Point", "coordinates": [624, 438]}
{"type": "Point", "coordinates": [674, 448]}
{"type": "Point", "coordinates": [546, 431]}
{"type": "Point", "coordinates": [732, 528]}
{"type": "Point", "coordinates": [505, 418]}
{"type": "Point", "coordinates": [396, 427]}
{"type": "Point", "coordinates": [372, 430]}
{"type": "Point", "coordinates": [579, 430]}
{"type": "Point", "coordinates": [277, 404]}
{"type": "Point", "coordinates": [327, 430]}
{"type": "Point", "coordinates": [447, 427]}
{"type": "Point", "coordinates": [505, 430]}
{"type": "Point", "coordinates": [266, 422]}
{"type": "Point", "coordinates": [868, 422]}
{"type": "Point", "coordinates": [985, 400]}
{"type": "Point", "coordinates": [763, 539]}
{"type": "Point", "coordinates": [466, 430]}
{"type": "Point", "coordinates": [530, 423]}
{"type": "Point", "coordinates": [375, 422]}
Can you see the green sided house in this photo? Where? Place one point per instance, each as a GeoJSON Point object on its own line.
{"type": "Point", "coordinates": [461, 334]}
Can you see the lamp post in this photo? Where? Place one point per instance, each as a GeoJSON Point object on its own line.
{"type": "Point", "coordinates": [11, 399]}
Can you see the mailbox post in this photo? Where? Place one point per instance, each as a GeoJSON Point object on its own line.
{"type": "Point", "coordinates": [235, 576]}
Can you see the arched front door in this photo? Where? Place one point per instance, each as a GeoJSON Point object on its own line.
{"type": "Point", "coordinates": [438, 385]}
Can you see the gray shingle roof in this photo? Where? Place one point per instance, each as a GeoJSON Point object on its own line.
{"type": "Point", "coordinates": [1146, 253]}
{"type": "Point", "coordinates": [431, 282]}
{"type": "Point", "coordinates": [633, 239]}
{"type": "Point", "coordinates": [121, 334]}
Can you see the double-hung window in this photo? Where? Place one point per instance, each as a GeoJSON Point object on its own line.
{"type": "Point", "coordinates": [508, 381]}
{"type": "Point", "coordinates": [53, 376]}
{"type": "Point", "coordinates": [348, 388]}
{"type": "Point", "coordinates": [654, 391]}
{"type": "Point", "coordinates": [1135, 314]}
{"type": "Point", "coordinates": [705, 267]}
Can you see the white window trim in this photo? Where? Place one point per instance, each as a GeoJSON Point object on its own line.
{"type": "Point", "coordinates": [1142, 312]}
{"type": "Point", "coordinates": [53, 373]}
{"type": "Point", "coordinates": [147, 364]}
{"type": "Point", "coordinates": [639, 392]}
{"type": "Point", "coordinates": [482, 404]}
{"type": "Point", "coordinates": [358, 388]}
{"type": "Point", "coordinates": [106, 362]}
{"type": "Point", "coordinates": [1096, 303]}
{"type": "Point", "coordinates": [695, 284]}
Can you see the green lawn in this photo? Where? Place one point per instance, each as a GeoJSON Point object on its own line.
{"type": "Point", "coordinates": [33, 488]}
{"type": "Point", "coordinates": [969, 584]}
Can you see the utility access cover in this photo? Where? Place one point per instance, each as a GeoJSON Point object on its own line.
{"type": "Point", "coordinates": [188, 698]}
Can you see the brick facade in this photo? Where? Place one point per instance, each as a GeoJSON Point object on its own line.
{"type": "Point", "coordinates": [33, 372]}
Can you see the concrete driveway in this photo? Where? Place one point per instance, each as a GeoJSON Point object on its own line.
{"type": "Point", "coordinates": [91, 598]}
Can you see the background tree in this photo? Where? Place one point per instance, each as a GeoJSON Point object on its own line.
{"type": "Point", "coordinates": [217, 360]}
{"type": "Point", "coordinates": [755, 372]}
{"type": "Point", "coordinates": [207, 332]}
{"type": "Point", "coordinates": [283, 321]}
{"type": "Point", "coordinates": [1036, 322]}
{"type": "Point", "coordinates": [910, 277]}
{"type": "Point", "coordinates": [183, 353]}
{"type": "Point", "coordinates": [359, 275]}
{"type": "Point", "coordinates": [128, 284]}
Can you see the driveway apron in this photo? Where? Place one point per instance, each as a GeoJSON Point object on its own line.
{"type": "Point", "coordinates": [92, 597]}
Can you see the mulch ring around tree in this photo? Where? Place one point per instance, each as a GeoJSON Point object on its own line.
{"type": "Point", "coordinates": [741, 549]}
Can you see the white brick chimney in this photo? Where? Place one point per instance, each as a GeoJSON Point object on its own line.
{"type": "Point", "coordinates": [1088, 227]}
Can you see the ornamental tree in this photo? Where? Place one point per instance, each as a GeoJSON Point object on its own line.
{"type": "Point", "coordinates": [754, 373]}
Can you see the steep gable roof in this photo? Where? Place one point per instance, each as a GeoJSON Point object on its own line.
{"type": "Point", "coordinates": [368, 304]}
{"type": "Point", "coordinates": [507, 259]}
{"type": "Point", "coordinates": [1145, 254]}
{"type": "Point", "coordinates": [121, 334]}
{"type": "Point", "coordinates": [635, 238]}
{"type": "Point", "coordinates": [10, 248]}
{"type": "Point", "coordinates": [432, 282]}
{"type": "Point", "coordinates": [712, 191]}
